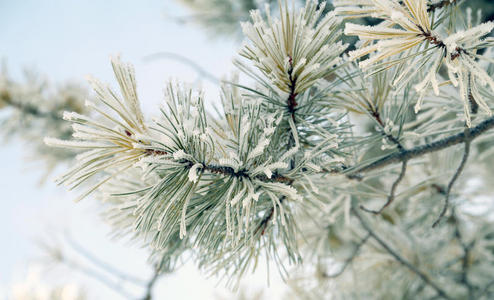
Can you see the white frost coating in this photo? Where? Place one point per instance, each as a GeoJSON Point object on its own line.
{"type": "Point", "coordinates": [193, 176]}
{"type": "Point", "coordinates": [309, 53]}
{"type": "Point", "coordinates": [259, 149]}
{"type": "Point", "coordinates": [407, 25]}
{"type": "Point", "coordinates": [74, 144]}
{"type": "Point", "coordinates": [180, 154]}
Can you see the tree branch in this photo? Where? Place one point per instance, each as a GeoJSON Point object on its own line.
{"type": "Point", "coordinates": [398, 258]}
{"type": "Point", "coordinates": [291, 106]}
{"type": "Point", "coordinates": [377, 117]}
{"type": "Point", "coordinates": [228, 171]}
{"type": "Point", "coordinates": [375, 114]}
{"type": "Point", "coordinates": [427, 148]}
{"type": "Point", "coordinates": [242, 173]}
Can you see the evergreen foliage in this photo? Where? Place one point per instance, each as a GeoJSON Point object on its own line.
{"type": "Point", "coordinates": [363, 174]}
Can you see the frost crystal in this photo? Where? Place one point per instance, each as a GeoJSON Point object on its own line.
{"type": "Point", "coordinates": [295, 50]}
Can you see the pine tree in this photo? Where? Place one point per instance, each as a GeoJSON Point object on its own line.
{"type": "Point", "coordinates": [361, 169]}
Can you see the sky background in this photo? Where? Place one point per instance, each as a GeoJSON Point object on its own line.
{"type": "Point", "coordinates": [67, 40]}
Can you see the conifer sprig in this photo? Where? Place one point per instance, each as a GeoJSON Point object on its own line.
{"type": "Point", "coordinates": [274, 172]}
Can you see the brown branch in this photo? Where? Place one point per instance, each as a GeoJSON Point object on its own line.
{"type": "Point", "coordinates": [377, 116]}
{"type": "Point", "coordinates": [291, 101]}
{"type": "Point", "coordinates": [225, 170]}
{"type": "Point", "coordinates": [291, 106]}
{"type": "Point", "coordinates": [340, 170]}
{"type": "Point", "coordinates": [474, 106]}
{"type": "Point", "coordinates": [400, 259]}
{"type": "Point", "coordinates": [466, 153]}
{"type": "Point", "coordinates": [265, 220]}
{"type": "Point", "coordinates": [216, 169]}
{"type": "Point", "coordinates": [428, 36]}
{"type": "Point", "coordinates": [419, 151]}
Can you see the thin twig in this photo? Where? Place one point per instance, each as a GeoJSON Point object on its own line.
{"type": "Point", "coordinates": [151, 283]}
{"type": "Point", "coordinates": [398, 258]}
{"type": "Point", "coordinates": [349, 260]}
{"type": "Point", "coordinates": [104, 265]}
{"type": "Point", "coordinates": [419, 151]}
{"type": "Point", "coordinates": [466, 153]}
{"type": "Point", "coordinates": [377, 116]}
{"type": "Point", "coordinates": [267, 217]}
{"type": "Point", "coordinates": [339, 171]}
{"type": "Point", "coordinates": [291, 103]}
{"type": "Point", "coordinates": [115, 286]}
{"type": "Point", "coordinates": [465, 258]}
{"type": "Point", "coordinates": [392, 193]}
{"type": "Point", "coordinates": [474, 106]}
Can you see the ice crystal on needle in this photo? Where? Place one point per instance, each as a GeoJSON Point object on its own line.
{"type": "Point", "coordinates": [110, 141]}
{"type": "Point", "coordinates": [295, 50]}
{"type": "Point", "coordinates": [405, 26]}
{"type": "Point", "coordinates": [405, 29]}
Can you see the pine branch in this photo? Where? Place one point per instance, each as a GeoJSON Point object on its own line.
{"type": "Point", "coordinates": [264, 222]}
{"type": "Point", "coordinates": [419, 151]}
{"type": "Point", "coordinates": [400, 259]}
{"type": "Point", "coordinates": [229, 171]}
{"type": "Point", "coordinates": [341, 170]}
{"type": "Point", "coordinates": [376, 115]}
{"type": "Point", "coordinates": [291, 106]}
{"type": "Point", "coordinates": [440, 44]}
